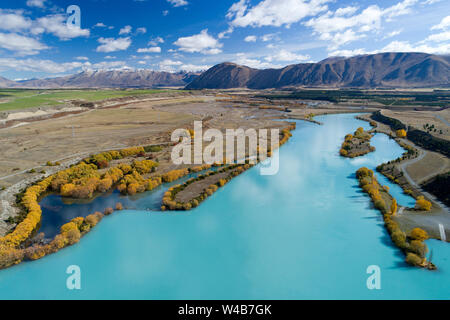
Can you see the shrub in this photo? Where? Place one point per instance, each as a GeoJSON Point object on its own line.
{"type": "Point", "coordinates": [413, 259]}
{"type": "Point", "coordinates": [175, 175]}
{"type": "Point", "coordinates": [93, 219]}
{"type": "Point", "coordinates": [418, 234]}
{"type": "Point", "coordinates": [364, 172]}
{"type": "Point", "coordinates": [401, 133]}
{"type": "Point", "coordinates": [73, 236]}
{"type": "Point", "coordinates": [68, 227]}
{"type": "Point", "coordinates": [399, 239]}
{"type": "Point", "coordinates": [423, 204]}
{"type": "Point", "coordinates": [110, 211]}
{"type": "Point", "coordinates": [419, 248]}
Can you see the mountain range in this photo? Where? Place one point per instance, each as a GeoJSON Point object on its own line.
{"type": "Point", "coordinates": [394, 70]}
{"type": "Point", "coordinates": [108, 79]}
{"type": "Point", "coordinates": [383, 70]}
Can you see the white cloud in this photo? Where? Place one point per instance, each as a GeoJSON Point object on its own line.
{"type": "Point", "coordinates": [82, 58]}
{"type": "Point", "coordinates": [36, 65]}
{"type": "Point", "coordinates": [287, 56]}
{"type": "Point", "coordinates": [341, 38]}
{"type": "Point", "coordinates": [399, 9]}
{"type": "Point", "coordinates": [100, 25]}
{"type": "Point", "coordinates": [125, 30]}
{"type": "Point", "coordinates": [405, 46]}
{"type": "Point", "coordinates": [243, 59]}
{"type": "Point", "coordinates": [368, 19]}
{"type": "Point", "coordinates": [165, 12]}
{"type": "Point", "coordinates": [346, 11]}
{"type": "Point", "coordinates": [56, 25]}
{"type": "Point", "coordinates": [273, 12]}
{"type": "Point", "coordinates": [36, 3]}
{"type": "Point", "coordinates": [21, 44]}
{"type": "Point", "coordinates": [202, 42]}
{"type": "Point", "coordinates": [250, 39]}
{"type": "Point", "coordinates": [393, 34]}
{"type": "Point", "coordinates": [445, 24]}
{"type": "Point", "coordinates": [149, 50]}
{"type": "Point", "coordinates": [156, 41]}
{"type": "Point", "coordinates": [194, 68]}
{"type": "Point", "coordinates": [439, 37]}
{"type": "Point", "coordinates": [112, 45]}
{"type": "Point", "coordinates": [269, 37]}
{"type": "Point", "coordinates": [178, 3]}
{"type": "Point", "coordinates": [224, 34]}
{"type": "Point", "coordinates": [13, 20]}
{"type": "Point", "coordinates": [106, 65]}
{"type": "Point", "coordinates": [347, 53]}
{"type": "Point", "coordinates": [345, 25]}
{"type": "Point", "coordinates": [141, 30]}
{"type": "Point", "coordinates": [169, 65]}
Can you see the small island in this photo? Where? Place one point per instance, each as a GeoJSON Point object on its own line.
{"type": "Point", "coordinates": [357, 144]}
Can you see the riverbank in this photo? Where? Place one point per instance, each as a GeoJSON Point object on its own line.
{"type": "Point", "coordinates": [398, 172]}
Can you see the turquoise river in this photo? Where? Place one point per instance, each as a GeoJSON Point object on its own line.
{"type": "Point", "coordinates": [306, 233]}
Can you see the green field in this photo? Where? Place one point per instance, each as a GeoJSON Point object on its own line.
{"type": "Point", "coordinates": [15, 99]}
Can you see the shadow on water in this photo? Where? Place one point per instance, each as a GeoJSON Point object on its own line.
{"type": "Point", "coordinates": [57, 210]}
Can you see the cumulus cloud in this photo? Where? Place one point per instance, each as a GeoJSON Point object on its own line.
{"type": "Point", "coordinates": [397, 46]}
{"type": "Point", "coordinates": [439, 37]}
{"type": "Point", "coordinates": [149, 50]}
{"type": "Point", "coordinates": [141, 30]}
{"type": "Point", "coordinates": [156, 41]}
{"type": "Point", "coordinates": [178, 3]}
{"type": "Point", "coordinates": [346, 25]}
{"type": "Point", "coordinates": [202, 42]}
{"type": "Point", "coordinates": [250, 39]}
{"type": "Point", "coordinates": [36, 3]}
{"type": "Point", "coordinates": [287, 56]}
{"type": "Point", "coordinates": [37, 65]}
{"type": "Point", "coordinates": [273, 12]}
{"type": "Point", "coordinates": [445, 24]}
{"type": "Point", "coordinates": [13, 20]}
{"type": "Point", "coordinates": [100, 25]}
{"type": "Point", "coordinates": [405, 46]}
{"type": "Point", "coordinates": [112, 44]}
{"type": "Point", "coordinates": [169, 65]}
{"type": "Point", "coordinates": [21, 44]}
{"type": "Point", "coordinates": [56, 25]}
{"type": "Point", "coordinates": [252, 62]}
{"type": "Point", "coordinates": [125, 30]}
{"type": "Point", "coordinates": [106, 65]}
{"type": "Point", "coordinates": [194, 68]}
{"type": "Point", "coordinates": [225, 34]}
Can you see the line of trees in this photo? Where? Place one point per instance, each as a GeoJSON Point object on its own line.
{"type": "Point", "coordinates": [411, 244]}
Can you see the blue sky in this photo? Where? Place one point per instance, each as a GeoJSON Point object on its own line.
{"type": "Point", "coordinates": [174, 35]}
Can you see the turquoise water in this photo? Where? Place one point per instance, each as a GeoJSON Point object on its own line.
{"type": "Point", "coordinates": [306, 233]}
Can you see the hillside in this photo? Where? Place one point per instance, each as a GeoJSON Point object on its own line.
{"type": "Point", "coordinates": [402, 70]}
{"type": "Point", "coordinates": [109, 79]}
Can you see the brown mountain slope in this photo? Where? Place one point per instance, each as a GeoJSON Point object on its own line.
{"type": "Point", "coordinates": [111, 79]}
{"type": "Point", "coordinates": [405, 70]}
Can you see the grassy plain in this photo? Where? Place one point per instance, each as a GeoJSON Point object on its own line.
{"type": "Point", "coordinates": [17, 99]}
